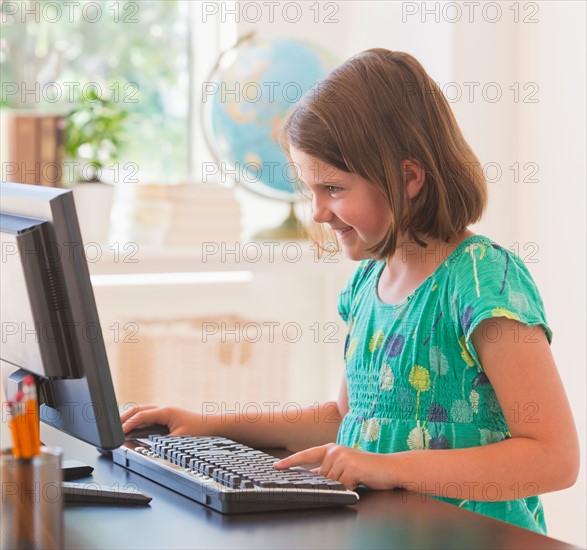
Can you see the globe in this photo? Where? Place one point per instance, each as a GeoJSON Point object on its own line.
{"type": "Point", "coordinates": [245, 101]}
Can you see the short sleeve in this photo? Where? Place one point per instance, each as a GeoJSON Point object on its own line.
{"type": "Point", "coordinates": [358, 279]}
{"type": "Point", "coordinates": [344, 302]}
{"type": "Point", "coordinates": [490, 281]}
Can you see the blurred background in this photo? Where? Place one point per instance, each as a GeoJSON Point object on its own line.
{"type": "Point", "coordinates": [166, 132]}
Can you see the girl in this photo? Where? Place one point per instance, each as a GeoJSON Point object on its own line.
{"type": "Point", "coordinates": [450, 386]}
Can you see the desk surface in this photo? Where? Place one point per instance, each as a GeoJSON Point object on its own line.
{"type": "Point", "coordinates": [382, 519]}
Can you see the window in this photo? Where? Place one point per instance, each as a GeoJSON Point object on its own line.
{"type": "Point", "coordinates": [146, 56]}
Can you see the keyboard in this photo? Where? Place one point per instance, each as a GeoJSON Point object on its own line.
{"type": "Point", "coordinates": [227, 476]}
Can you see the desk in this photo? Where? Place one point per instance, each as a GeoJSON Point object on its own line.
{"type": "Point", "coordinates": [382, 519]}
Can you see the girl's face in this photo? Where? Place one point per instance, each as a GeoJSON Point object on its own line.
{"type": "Point", "coordinates": [349, 204]}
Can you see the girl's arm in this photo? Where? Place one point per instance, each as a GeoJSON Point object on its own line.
{"type": "Point", "coordinates": [541, 456]}
{"type": "Point", "coordinates": [292, 427]}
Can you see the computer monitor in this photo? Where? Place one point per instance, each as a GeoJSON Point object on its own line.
{"type": "Point", "coordinates": [49, 319]}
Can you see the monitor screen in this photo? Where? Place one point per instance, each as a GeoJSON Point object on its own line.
{"type": "Point", "coordinates": [49, 319]}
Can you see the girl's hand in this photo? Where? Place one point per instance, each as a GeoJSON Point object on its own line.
{"type": "Point", "coordinates": [179, 421]}
{"type": "Point", "coordinates": [352, 467]}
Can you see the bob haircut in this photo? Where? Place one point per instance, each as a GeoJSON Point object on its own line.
{"type": "Point", "coordinates": [371, 113]}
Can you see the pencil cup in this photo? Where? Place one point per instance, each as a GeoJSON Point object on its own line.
{"type": "Point", "coordinates": [31, 508]}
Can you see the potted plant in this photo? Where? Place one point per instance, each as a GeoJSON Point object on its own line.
{"type": "Point", "coordinates": [93, 138]}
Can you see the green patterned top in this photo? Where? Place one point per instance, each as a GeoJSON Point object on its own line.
{"type": "Point", "coordinates": [414, 378]}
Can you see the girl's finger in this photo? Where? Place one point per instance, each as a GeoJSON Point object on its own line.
{"type": "Point", "coordinates": [150, 416]}
{"type": "Point", "coordinates": [131, 410]}
{"type": "Point", "coordinates": [309, 456]}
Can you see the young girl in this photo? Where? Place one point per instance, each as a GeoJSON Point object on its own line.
{"type": "Point", "coordinates": [450, 386]}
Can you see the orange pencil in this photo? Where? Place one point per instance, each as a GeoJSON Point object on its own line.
{"type": "Point", "coordinates": [31, 411]}
{"type": "Point", "coordinates": [22, 431]}
{"type": "Point", "coordinates": [15, 425]}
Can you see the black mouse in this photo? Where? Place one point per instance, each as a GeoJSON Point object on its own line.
{"type": "Point", "coordinates": [147, 430]}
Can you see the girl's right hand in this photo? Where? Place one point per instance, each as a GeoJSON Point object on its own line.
{"type": "Point", "coordinates": [179, 421]}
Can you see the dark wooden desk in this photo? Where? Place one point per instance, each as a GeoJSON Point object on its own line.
{"type": "Point", "coordinates": [382, 519]}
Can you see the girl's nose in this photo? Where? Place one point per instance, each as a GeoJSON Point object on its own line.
{"type": "Point", "coordinates": [320, 211]}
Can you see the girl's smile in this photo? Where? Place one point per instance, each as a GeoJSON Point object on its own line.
{"type": "Point", "coordinates": [343, 233]}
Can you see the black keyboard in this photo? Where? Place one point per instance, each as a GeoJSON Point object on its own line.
{"type": "Point", "coordinates": [228, 476]}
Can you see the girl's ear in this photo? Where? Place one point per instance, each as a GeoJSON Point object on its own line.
{"type": "Point", "coordinates": [414, 177]}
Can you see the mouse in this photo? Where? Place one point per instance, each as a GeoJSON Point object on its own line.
{"type": "Point", "coordinates": [147, 430]}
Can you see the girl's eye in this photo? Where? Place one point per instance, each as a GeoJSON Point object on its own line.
{"type": "Point", "coordinates": [333, 189]}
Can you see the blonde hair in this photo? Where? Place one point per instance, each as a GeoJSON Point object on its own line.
{"type": "Point", "coordinates": [376, 110]}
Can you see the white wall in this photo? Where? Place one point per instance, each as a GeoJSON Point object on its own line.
{"type": "Point", "coordinates": [544, 47]}
{"type": "Point", "coordinates": [552, 211]}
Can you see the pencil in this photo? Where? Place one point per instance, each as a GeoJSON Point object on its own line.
{"type": "Point", "coordinates": [16, 424]}
{"type": "Point", "coordinates": [13, 427]}
{"type": "Point", "coordinates": [31, 412]}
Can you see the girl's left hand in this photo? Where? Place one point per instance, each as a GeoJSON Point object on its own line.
{"type": "Point", "coordinates": [352, 467]}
